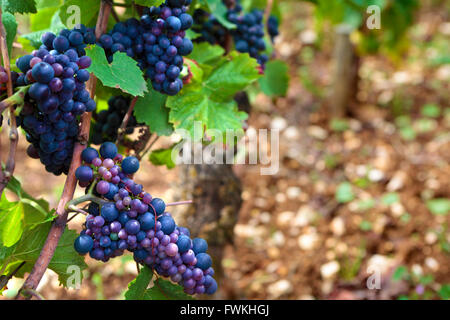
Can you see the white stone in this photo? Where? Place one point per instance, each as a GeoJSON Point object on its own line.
{"type": "Point", "coordinates": [265, 217]}
{"type": "Point", "coordinates": [397, 209]}
{"type": "Point", "coordinates": [397, 181]}
{"type": "Point", "coordinates": [330, 269]}
{"type": "Point", "coordinates": [431, 237]}
{"type": "Point", "coordinates": [280, 197]}
{"type": "Point", "coordinates": [308, 36]}
{"type": "Point", "coordinates": [304, 216]}
{"type": "Point", "coordinates": [417, 269]}
{"type": "Point", "coordinates": [432, 263]}
{"type": "Point", "coordinates": [338, 226]}
{"type": "Point", "coordinates": [291, 133]}
{"type": "Point", "coordinates": [278, 123]}
{"type": "Point", "coordinates": [361, 170]}
{"type": "Point", "coordinates": [317, 132]}
{"type": "Point", "coordinates": [380, 263]}
{"type": "Point", "coordinates": [376, 175]}
{"type": "Point", "coordinates": [279, 288]}
{"type": "Point", "coordinates": [308, 241]}
{"type": "Point", "coordinates": [285, 218]}
{"type": "Point", "coordinates": [278, 238]}
{"type": "Point", "coordinates": [293, 192]}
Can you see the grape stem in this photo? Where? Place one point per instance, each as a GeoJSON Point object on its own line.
{"type": "Point", "coordinates": [88, 197]}
{"type": "Point", "coordinates": [179, 203]}
{"type": "Point", "coordinates": [268, 10]}
{"type": "Point", "coordinates": [16, 99]}
{"type": "Point", "coordinates": [6, 174]}
{"type": "Point", "coordinates": [28, 293]}
{"type": "Point", "coordinates": [127, 117]}
{"type": "Point", "coordinates": [59, 224]}
{"type": "Point", "coordinates": [148, 148]}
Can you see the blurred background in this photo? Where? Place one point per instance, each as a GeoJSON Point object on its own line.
{"type": "Point", "coordinates": [363, 190]}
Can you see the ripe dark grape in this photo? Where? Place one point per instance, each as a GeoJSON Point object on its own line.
{"type": "Point", "coordinates": [128, 222]}
{"type": "Point", "coordinates": [130, 165]}
{"type": "Point", "coordinates": [83, 244]}
{"type": "Point", "coordinates": [107, 122]}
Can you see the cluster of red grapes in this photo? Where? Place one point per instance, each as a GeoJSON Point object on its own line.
{"type": "Point", "coordinates": [107, 122]}
{"type": "Point", "coordinates": [157, 42]}
{"type": "Point", "coordinates": [57, 96]}
{"type": "Point", "coordinates": [127, 218]}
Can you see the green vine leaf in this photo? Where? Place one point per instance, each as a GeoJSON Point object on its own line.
{"type": "Point", "coordinates": [30, 246]}
{"type": "Point", "coordinates": [220, 12]}
{"type": "Point", "coordinates": [166, 290]}
{"type": "Point", "coordinates": [276, 79]}
{"type": "Point", "coordinates": [210, 102]}
{"type": "Point", "coordinates": [112, 75]}
{"type": "Point", "coordinates": [162, 157]}
{"type": "Point", "coordinates": [9, 21]}
{"type": "Point", "coordinates": [55, 26]}
{"type": "Point", "coordinates": [149, 3]}
{"type": "Point", "coordinates": [138, 287]}
{"type": "Point", "coordinates": [152, 110]}
{"type": "Point", "coordinates": [19, 6]}
{"type": "Point", "coordinates": [88, 11]}
{"type": "Point", "coordinates": [11, 221]}
{"type": "Point", "coordinates": [236, 74]}
{"type": "Point", "coordinates": [205, 53]}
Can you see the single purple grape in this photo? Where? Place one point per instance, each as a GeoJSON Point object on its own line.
{"type": "Point", "coordinates": [97, 162]}
{"type": "Point", "coordinates": [102, 187]}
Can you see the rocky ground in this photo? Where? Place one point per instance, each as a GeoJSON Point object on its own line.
{"type": "Point", "coordinates": [354, 198]}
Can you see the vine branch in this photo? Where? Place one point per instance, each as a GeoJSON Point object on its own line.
{"type": "Point", "coordinates": [60, 222]}
{"type": "Point", "coordinates": [127, 117]}
{"type": "Point", "coordinates": [6, 174]}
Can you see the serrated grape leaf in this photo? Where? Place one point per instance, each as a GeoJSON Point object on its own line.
{"type": "Point", "coordinates": [123, 73]}
{"type": "Point", "coordinates": [218, 8]}
{"type": "Point", "coordinates": [194, 69]}
{"type": "Point", "coordinates": [88, 12]}
{"type": "Point", "coordinates": [162, 157]}
{"type": "Point", "coordinates": [41, 4]}
{"type": "Point", "coordinates": [151, 109]}
{"type": "Point", "coordinates": [19, 6]}
{"type": "Point", "coordinates": [9, 21]}
{"type": "Point", "coordinates": [232, 76]}
{"type": "Point", "coordinates": [210, 103]}
{"type": "Point", "coordinates": [11, 221]}
{"type": "Point", "coordinates": [40, 21]}
{"type": "Point", "coordinates": [35, 210]}
{"type": "Point", "coordinates": [30, 246]}
{"type": "Point", "coordinates": [137, 287]}
{"type": "Point", "coordinates": [205, 53]}
{"type": "Point", "coordinates": [275, 81]}
{"type": "Point", "coordinates": [55, 26]}
{"type": "Point", "coordinates": [192, 34]}
{"type": "Point", "coordinates": [149, 3]}
{"type": "Point", "coordinates": [197, 106]}
{"type": "Point", "coordinates": [166, 290]}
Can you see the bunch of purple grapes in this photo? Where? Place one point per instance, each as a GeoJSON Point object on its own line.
{"type": "Point", "coordinates": [57, 96]}
{"type": "Point", "coordinates": [248, 36]}
{"type": "Point", "coordinates": [127, 218]}
{"type": "Point", "coordinates": [107, 122]}
{"type": "Point", "coordinates": [209, 28]}
{"type": "Point", "coordinates": [157, 42]}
